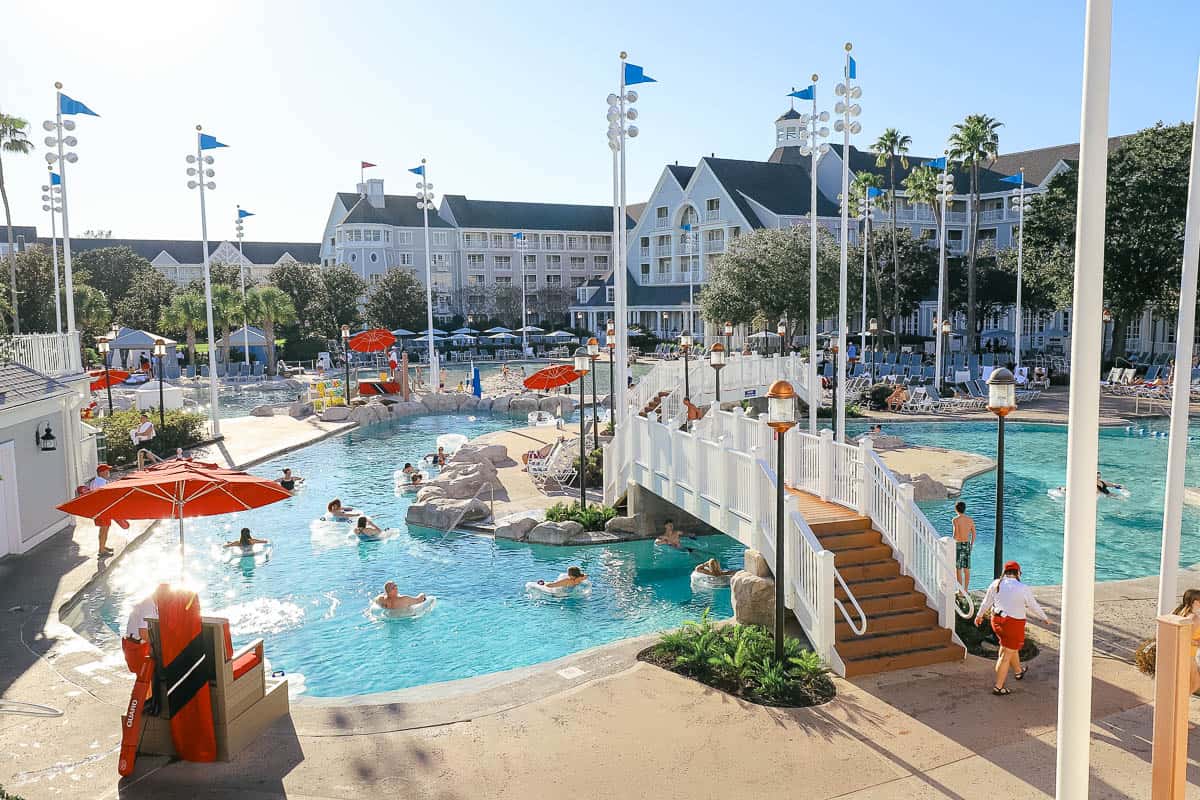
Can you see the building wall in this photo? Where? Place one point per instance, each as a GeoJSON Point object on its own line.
{"type": "Point", "coordinates": [43, 479]}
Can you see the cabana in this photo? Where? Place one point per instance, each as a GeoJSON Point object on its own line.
{"type": "Point", "coordinates": [130, 344]}
{"type": "Point", "coordinates": [251, 337]}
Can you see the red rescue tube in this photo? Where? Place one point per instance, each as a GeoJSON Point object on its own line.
{"type": "Point", "coordinates": [132, 723]}
{"type": "Point", "coordinates": [187, 669]}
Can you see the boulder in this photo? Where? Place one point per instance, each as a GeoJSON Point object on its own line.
{"type": "Point", "coordinates": [755, 564]}
{"type": "Point", "coordinates": [466, 479]}
{"type": "Point", "coordinates": [467, 402]}
{"type": "Point", "coordinates": [439, 403]}
{"type": "Point", "coordinates": [925, 487]}
{"type": "Point", "coordinates": [485, 404]}
{"type": "Point", "coordinates": [300, 409]}
{"type": "Point", "coordinates": [548, 404]}
{"type": "Point", "coordinates": [556, 533]}
{"type": "Point", "coordinates": [408, 409]}
{"type": "Point", "coordinates": [753, 599]}
{"type": "Point", "coordinates": [523, 404]}
{"type": "Point", "coordinates": [262, 411]}
{"type": "Point", "coordinates": [443, 513]}
{"type": "Point", "coordinates": [516, 529]}
{"type": "Point", "coordinates": [335, 414]}
{"type": "Point", "coordinates": [500, 404]}
{"type": "Point", "coordinates": [628, 526]}
{"type": "Point", "coordinates": [474, 453]}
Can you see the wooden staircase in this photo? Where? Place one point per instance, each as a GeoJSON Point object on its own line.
{"type": "Point", "coordinates": [902, 630]}
{"type": "Point", "coordinates": [653, 406]}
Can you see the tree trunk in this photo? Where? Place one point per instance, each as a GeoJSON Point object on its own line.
{"type": "Point", "coordinates": [225, 347]}
{"type": "Point", "coordinates": [972, 314]}
{"type": "Point", "coordinates": [191, 345]}
{"type": "Point", "coordinates": [1117, 349]}
{"type": "Point", "coordinates": [895, 254]}
{"type": "Point", "coordinates": [269, 330]}
{"type": "Point", "coordinates": [12, 255]}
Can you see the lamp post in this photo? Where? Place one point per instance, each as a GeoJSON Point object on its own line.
{"type": "Point", "coordinates": [593, 349]}
{"type": "Point", "coordinates": [1107, 319]}
{"type": "Point", "coordinates": [160, 352]}
{"type": "Point", "coordinates": [847, 126]}
{"type": "Point", "coordinates": [583, 363]}
{"type": "Point", "coordinates": [202, 169]}
{"type": "Point", "coordinates": [781, 332]}
{"type": "Point", "coordinates": [52, 202]}
{"type": "Point", "coordinates": [685, 344]}
{"type": "Point", "coordinates": [666, 316]}
{"type": "Point", "coordinates": [610, 340]}
{"type": "Point", "coordinates": [1020, 205]}
{"type": "Point", "coordinates": [346, 356]}
{"type": "Point", "coordinates": [102, 346]}
{"type": "Point", "coordinates": [729, 335]}
{"type": "Point", "coordinates": [945, 191]}
{"type": "Point", "coordinates": [425, 202]}
{"type": "Point", "coordinates": [716, 360]}
{"type": "Point", "coordinates": [873, 327]}
{"type": "Point", "coordinates": [1002, 401]}
{"type": "Point", "coordinates": [781, 411]}
{"type": "Point", "coordinates": [946, 336]}
{"type": "Point", "coordinates": [241, 215]}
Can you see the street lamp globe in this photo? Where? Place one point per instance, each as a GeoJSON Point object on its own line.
{"type": "Point", "coordinates": [102, 345]}
{"type": "Point", "coordinates": [946, 326]}
{"type": "Point", "coordinates": [781, 406]}
{"type": "Point", "coordinates": [345, 332]}
{"type": "Point", "coordinates": [610, 330]}
{"type": "Point", "coordinates": [1002, 392]}
{"type": "Point", "coordinates": [781, 329]}
{"type": "Point", "coordinates": [583, 362]}
{"type": "Point", "coordinates": [160, 348]}
{"type": "Point", "coordinates": [873, 326]}
{"type": "Point", "coordinates": [716, 356]}
{"type": "Point", "coordinates": [728, 328]}
{"type": "Point", "coordinates": [593, 347]}
{"type": "Point", "coordinates": [685, 340]}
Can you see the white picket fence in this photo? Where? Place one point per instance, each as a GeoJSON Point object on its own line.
{"type": "Point", "coordinates": [52, 354]}
{"type": "Point", "coordinates": [723, 472]}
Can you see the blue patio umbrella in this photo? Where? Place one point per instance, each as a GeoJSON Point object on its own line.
{"type": "Point", "coordinates": [476, 384]}
{"type": "Point", "coordinates": [403, 333]}
{"type": "Point", "coordinates": [467, 331]}
{"type": "Point", "coordinates": [499, 329]}
{"type": "Point", "coordinates": [436, 331]}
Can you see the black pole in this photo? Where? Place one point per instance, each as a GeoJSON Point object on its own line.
{"type": "Point", "coordinates": [108, 385]}
{"type": "Point", "coordinates": [595, 416]}
{"type": "Point", "coordinates": [779, 552]}
{"type": "Point", "coordinates": [612, 389]}
{"type": "Point", "coordinates": [718, 371]}
{"type": "Point", "coordinates": [998, 566]}
{"type": "Point", "coordinates": [346, 348]}
{"type": "Point", "coordinates": [582, 450]}
{"type": "Point", "coordinates": [162, 414]}
{"type": "Point", "coordinates": [687, 392]}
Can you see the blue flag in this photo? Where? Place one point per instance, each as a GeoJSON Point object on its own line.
{"type": "Point", "coordinates": [873, 192]}
{"type": "Point", "coordinates": [518, 235]}
{"type": "Point", "coordinates": [852, 69]}
{"type": "Point", "coordinates": [805, 94]}
{"type": "Point", "coordinates": [243, 213]}
{"type": "Point", "coordinates": [210, 142]}
{"type": "Point", "coordinates": [634, 75]}
{"type": "Point", "coordinates": [1018, 178]}
{"type": "Point", "coordinates": [55, 179]}
{"type": "Point", "coordinates": [418, 170]}
{"type": "Point", "coordinates": [68, 106]}
{"type": "Point", "coordinates": [937, 163]}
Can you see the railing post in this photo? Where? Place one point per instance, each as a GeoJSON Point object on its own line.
{"type": "Point", "coordinates": [904, 525]}
{"type": "Point", "coordinates": [947, 583]}
{"type": "Point", "coordinates": [825, 463]}
{"type": "Point", "coordinates": [866, 489]}
{"type": "Point", "coordinates": [826, 592]}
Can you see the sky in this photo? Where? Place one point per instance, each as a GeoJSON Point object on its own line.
{"type": "Point", "coordinates": [507, 101]}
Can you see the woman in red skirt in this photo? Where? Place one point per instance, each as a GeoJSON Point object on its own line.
{"type": "Point", "coordinates": [1009, 600]}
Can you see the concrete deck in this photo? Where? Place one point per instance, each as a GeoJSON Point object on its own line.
{"type": "Point", "coordinates": [950, 468]}
{"type": "Point", "coordinates": [1051, 407]}
{"type": "Point", "coordinates": [519, 492]}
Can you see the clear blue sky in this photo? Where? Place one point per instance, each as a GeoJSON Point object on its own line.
{"type": "Point", "coordinates": [507, 100]}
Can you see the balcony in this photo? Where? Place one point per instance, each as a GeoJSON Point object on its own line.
{"type": "Point", "coordinates": [52, 354]}
{"type": "Point", "coordinates": [662, 222]}
{"type": "Point", "coordinates": [959, 217]}
{"type": "Point", "coordinates": [712, 215]}
{"type": "Point", "coordinates": [991, 215]}
{"type": "Point", "coordinates": [577, 246]}
{"type": "Point", "coordinates": [645, 251]}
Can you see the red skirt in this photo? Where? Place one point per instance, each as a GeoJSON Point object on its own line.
{"type": "Point", "coordinates": [1010, 632]}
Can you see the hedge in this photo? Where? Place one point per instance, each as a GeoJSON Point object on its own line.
{"type": "Point", "coordinates": [182, 429]}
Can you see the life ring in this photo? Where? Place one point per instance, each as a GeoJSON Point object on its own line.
{"type": "Point", "coordinates": [338, 518]}
{"type": "Point", "coordinates": [560, 592]}
{"type": "Point", "coordinates": [704, 581]}
{"type": "Point", "coordinates": [1114, 492]}
{"type": "Point", "coordinates": [372, 536]}
{"type": "Point", "coordinates": [404, 483]}
{"type": "Point", "coordinates": [410, 612]}
{"type": "Point", "coordinates": [259, 552]}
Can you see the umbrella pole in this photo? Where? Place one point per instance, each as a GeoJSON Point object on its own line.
{"type": "Point", "coordinates": [181, 561]}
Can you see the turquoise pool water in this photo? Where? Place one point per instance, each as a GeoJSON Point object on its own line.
{"type": "Point", "coordinates": [1128, 531]}
{"type": "Point", "coordinates": [310, 599]}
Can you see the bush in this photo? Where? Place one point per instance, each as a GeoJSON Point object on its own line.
{"type": "Point", "coordinates": [591, 518]}
{"type": "Point", "coordinates": [1144, 657]}
{"type": "Point", "coordinates": [183, 429]}
{"type": "Point", "coordinates": [595, 469]}
{"type": "Point", "coordinates": [302, 349]}
{"type": "Point", "coordinates": [8, 796]}
{"type": "Point", "coordinates": [740, 660]}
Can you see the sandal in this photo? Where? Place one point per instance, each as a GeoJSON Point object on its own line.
{"type": "Point", "coordinates": [1021, 674]}
{"type": "Point", "coordinates": [996, 690]}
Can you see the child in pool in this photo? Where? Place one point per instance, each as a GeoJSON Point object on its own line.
{"type": "Point", "coordinates": [246, 540]}
{"type": "Point", "coordinates": [575, 576]}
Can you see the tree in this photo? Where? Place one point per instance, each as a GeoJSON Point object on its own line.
{"type": "Point", "coordinates": [149, 294]}
{"type": "Point", "coordinates": [92, 311]}
{"type": "Point", "coordinates": [35, 287]}
{"type": "Point", "coordinates": [303, 285]}
{"type": "Point", "coordinates": [922, 187]}
{"type": "Point", "coordinates": [14, 138]}
{"type": "Point", "coordinates": [111, 270]}
{"type": "Point", "coordinates": [862, 185]}
{"type": "Point", "coordinates": [974, 142]}
{"type": "Point", "coordinates": [227, 312]}
{"type": "Point", "coordinates": [916, 279]}
{"type": "Point", "coordinates": [552, 303]}
{"type": "Point", "coordinates": [397, 301]}
{"type": "Point", "coordinates": [890, 149]}
{"type": "Point", "coordinates": [269, 307]}
{"type": "Point", "coordinates": [506, 301]}
{"type": "Point", "coordinates": [96, 233]}
{"type": "Point", "coordinates": [343, 289]}
{"type": "Point", "coordinates": [185, 314]}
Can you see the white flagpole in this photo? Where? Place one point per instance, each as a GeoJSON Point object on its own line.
{"type": "Point", "coordinates": [208, 309]}
{"type": "Point", "coordinates": [62, 174]}
{"type": "Point", "coordinates": [1181, 386]}
{"type": "Point", "coordinates": [622, 243]}
{"type": "Point", "coordinates": [242, 279]}
{"type": "Point", "coordinates": [54, 255]}
{"type": "Point", "coordinates": [1079, 526]}
{"type": "Point", "coordinates": [938, 355]}
{"type": "Point", "coordinates": [1020, 265]}
{"type": "Point", "coordinates": [814, 382]}
{"type": "Point", "coordinates": [520, 253]}
{"type": "Point", "coordinates": [842, 319]}
{"type": "Point", "coordinates": [862, 347]}
{"type": "Point", "coordinates": [435, 373]}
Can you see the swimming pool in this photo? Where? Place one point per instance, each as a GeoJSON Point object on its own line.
{"type": "Point", "coordinates": [310, 600]}
{"type": "Point", "coordinates": [239, 400]}
{"type": "Point", "coordinates": [1128, 531]}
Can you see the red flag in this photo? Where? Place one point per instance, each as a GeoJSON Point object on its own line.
{"type": "Point", "coordinates": [366, 164]}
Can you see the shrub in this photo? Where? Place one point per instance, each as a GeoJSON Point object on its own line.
{"type": "Point", "coordinates": [740, 660]}
{"type": "Point", "coordinates": [591, 518]}
{"type": "Point", "coordinates": [1144, 657]}
{"type": "Point", "coordinates": [879, 394]}
{"type": "Point", "coordinates": [302, 349]}
{"type": "Point", "coordinates": [183, 429]}
{"type": "Point", "coordinates": [8, 796]}
{"type": "Point", "coordinates": [595, 469]}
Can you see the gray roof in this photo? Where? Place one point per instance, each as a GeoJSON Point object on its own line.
{"type": "Point", "coordinates": [634, 211]}
{"type": "Point", "coordinates": [989, 179]}
{"type": "Point", "coordinates": [398, 210]}
{"type": "Point", "coordinates": [20, 384]}
{"type": "Point", "coordinates": [682, 174]}
{"type": "Point", "coordinates": [1040, 161]}
{"type": "Point", "coordinates": [639, 295]}
{"type": "Point", "coordinates": [29, 232]}
{"type": "Point", "coordinates": [190, 251]}
{"type": "Point", "coordinates": [789, 114]}
{"type": "Point", "coordinates": [782, 188]}
{"type": "Point", "coordinates": [516, 216]}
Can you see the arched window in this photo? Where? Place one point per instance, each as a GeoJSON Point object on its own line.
{"type": "Point", "coordinates": [374, 257]}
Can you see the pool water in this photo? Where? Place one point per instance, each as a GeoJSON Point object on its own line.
{"type": "Point", "coordinates": [1128, 530]}
{"type": "Point", "coordinates": [239, 400]}
{"type": "Point", "coordinates": [310, 600]}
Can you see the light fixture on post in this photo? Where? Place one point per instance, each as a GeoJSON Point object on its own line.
{"type": "Point", "coordinates": [239, 228]}
{"type": "Point", "coordinates": [716, 360]}
{"type": "Point", "coordinates": [946, 334]}
{"type": "Point", "coordinates": [685, 345]}
{"type": "Point", "coordinates": [781, 332]}
{"type": "Point", "coordinates": [945, 191]}
{"type": "Point", "coordinates": [1021, 203]}
{"type": "Point", "coordinates": [160, 352]}
{"type": "Point", "coordinates": [425, 202]}
{"type": "Point", "coordinates": [593, 349]}
{"type": "Point", "coordinates": [52, 202]}
{"type": "Point", "coordinates": [873, 329]}
{"type": "Point", "coordinates": [583, 364]}
{"type": "Point", "coordinates": [728, 335]}
{"type": "Point", "coordinates": [45, 441]}
{"type": "Point", "coordinates": [610, 340]}
{"type": "Point", "coordinates": [103, 347]}
{"type": "Point", "coordinates": [1107, 318]}
{"type": "Point", "coordinates": [847, 126]}
{"type": "Point", "coordinates": [1002, 401]}
{"type": "Point", "coordinates": [346, 355]}
{"type": "Point", "coordinates": [666, 332]}
{"type": "Point", "coordinates": [201, 168]}
{"type": "Point", "coordinates": [781, 416]}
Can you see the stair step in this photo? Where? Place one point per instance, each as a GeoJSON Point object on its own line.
{"type": "Point", "coordinates": [914, 658]}
{"type": "Point", "coordinates": [884, 621]}
{"type": "Point", "coordinates": [851, 525]}
{"type": "Point", "coordinates": [900, 601]}
{"type": "Point", "coordinates": [861, 555]}
{"type": "Point", "coordinates": [869, 571]}
{"type": "Point", "coordinates": [889, 642]}
{"type": "Point", "coordinates": [874, 588]}
{"type": "Point", "coordinates": [842, 541]}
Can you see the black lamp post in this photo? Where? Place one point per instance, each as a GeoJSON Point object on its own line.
{"type": "Point", "coordinates": [1002, 401]}
{"type": "Point", "coordinates": [610, 340]}
{"type": "Point", "coordinates": [593, 349]}
{"type": "Point", "coordinates": [873, 329]}
{"type": "Point", "coordinates": [346, 355]}
{"type": "Point", "coordinates": [728, 335]}
{"type": "Point", "coordinates": [685, 345]}
{"type": "Point", "coordinates": [716, 360]}
{"type": "Point", "coordinates": [583, 363]}
{"type": "Point", "coordinates": [665, 330]}
{"type": "Point", "coordinates": [160, 351]}
{"type": "Point", "coordinates": [945, 342]}
{"type": "Point", "coordinates": [781, 330]}
{"type": "Point", "coordinates": [102, 346]}
{"type": "Point", "coordinates": [781, 410]}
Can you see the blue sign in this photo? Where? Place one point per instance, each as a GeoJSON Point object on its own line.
{"type": "Point", "coordinates": [751, 393]}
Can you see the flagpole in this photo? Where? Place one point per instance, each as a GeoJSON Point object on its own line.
{"type": "Point", "coordinates": [622, 246]}
{"type": "Point", "coordinates": [844, 261]}
{"type": "Point", "coordinates": [435, 374]}
{"type": "Point", "coordinates": [938, 355]}
{"type": "Point", "coordinates": [62, 174]}
{"type": "Point", "coordinates": [54, 252]}
{"type": "Point", "coordinates": [208, 308]}
{"type": "Point", "coordinates": [814, 383]}
{"type": "Point", "coordinates": [1020, 264]}
{"type": "Point", "coordinates": [524, 307]}
{"type": "Point", "coordinates": [617, 315]}
{"type": "Point", "coordinates": [862, 347]}
{"type": "Point", "coordinates": [242, 279]}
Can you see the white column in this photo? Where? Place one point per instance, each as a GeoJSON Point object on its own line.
{"type": "Point", "coordinates": [620, 255]}
{"type": "Point", "coordinates": [435, 375]}
{"type": "Point", "coordinates": [938, 358]}
{"type": "Point", "coordinates": [845, 255]}
{"type": "Point", "coordinates": [54, 258]}
{"type": "Point", "coordinates": [214, 407]}
{"type": "Point", "coordinates": [1079, 551]}
{"type": "Point", "coordinates": [1181, 389]}
{"type": "Point", "coordinates": [814, 384]}
{"type": "Point", "coordinates": [1020, 275]}
{"type": "Point", "coordinates": [62, 174]}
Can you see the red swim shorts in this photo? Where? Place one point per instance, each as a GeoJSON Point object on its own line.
{"type": "Point", "coordinates": [1010, 632]}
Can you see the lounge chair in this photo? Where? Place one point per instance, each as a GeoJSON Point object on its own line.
{"type": "Point", "coordinates": [918, 403]}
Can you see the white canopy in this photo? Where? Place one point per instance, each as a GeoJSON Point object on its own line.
{"type": "Point", "coordinates": [502, 336]}
{"type": "Point", "coordinates": [560, 335]}
{"type": "Point", "coordinates": [499, 329]}
{"type": "Point", "coordinates": [242, 337]}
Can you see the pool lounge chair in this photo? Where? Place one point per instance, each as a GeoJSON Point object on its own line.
{"type": "Point", "coordinates": [919, 402]}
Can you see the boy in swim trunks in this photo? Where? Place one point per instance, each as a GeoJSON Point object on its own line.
{"type": "Point", "coordinates": [391, 597]}
{"type": "Point", "coordinates": [964, 540]}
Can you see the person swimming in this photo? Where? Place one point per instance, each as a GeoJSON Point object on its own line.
{"type": "Point", "coordinates": [339, 512]}
{"type": "Point", "coordinates": [246, 540]}
{"type": "Point", "coordinates": [392, 599]}
{"type": "Point", "coordinates": [1105, 487]}
{"type": "Point", "coordinates": [574, 577]}
{"type": "Point", "coordinates": [366, 528]}
{"type": "Point", "coordinates": [289, 481]}
{"type": "Point", "coordinates": [713, 568]}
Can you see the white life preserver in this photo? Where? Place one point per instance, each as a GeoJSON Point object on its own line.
{"type": "Point", "coordinates": [704, 581]}
{"type": "Point", "coordinates": [560, 592]}
{"type": "Point", "coordinates": [409, 612]}
{"type": "Point", "coordinates": [261, 553]}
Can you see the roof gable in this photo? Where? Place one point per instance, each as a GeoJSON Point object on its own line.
{"type": "Point", "coordinates": [784, 189]}
{"type": "Point", "coordinates": [513, 215]}
{"type": "Point", "coordinates": [398, 210]}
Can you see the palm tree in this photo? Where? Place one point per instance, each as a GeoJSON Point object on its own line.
{"type": "Point", "coordinates": [13, 139]}
{"type": "Point", "coordinates": [921, 185]}
{"type": "Point", "coordinates": [891, 148]}
{"type": "Point", "coordinates": [863, 182]}
{"type": "Point", "coordinates": [974, 142]}
{"type": "Point", "coordinates": [270, 306]}
{"type": "Point", "coordinates": [227, 312]}
{"type": "Point", "coordinates": [185, 313]}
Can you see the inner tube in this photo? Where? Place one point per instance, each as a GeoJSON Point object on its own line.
{"type": "Point", "coordinates": [1116, 493]}
{"type": "Point", "coordinates": [375, 537]}
{"type": "Point", "coordinates": [560, 592]}
{"type": "Point", "coordinates": [261, 553]}
{"type": "Point", "coordinates": [412, 612]}
{"type": "Point", "coordinates": [339, 518]}
{"type": "Point", "coordinates": [702, 580]}
{"type": "Point", "coordinates": [403, 483]}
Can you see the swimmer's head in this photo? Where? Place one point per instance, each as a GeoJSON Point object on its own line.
{"type": "Point", "coordinates": [246, 536]}
{"type": "Point", "coordinates": [389, 588]}
{"type": "Point", "coordinates": [334, 505]}
{"type": "Point", "coordinates": [574, 572]}
{"type": "Point", "coordinates": [362, 523]}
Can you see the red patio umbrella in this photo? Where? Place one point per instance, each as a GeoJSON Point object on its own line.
{"type": "Point", "coordinates": [175, 490]}
{"type": "Point", "coordinates": [372, 340]}
{"type": "Point", "coordinates": [551, 377]}
{"type": "Point", "coordinates": [100, 381]}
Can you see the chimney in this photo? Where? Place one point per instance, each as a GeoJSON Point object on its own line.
{"type": "Point", "coordinates": [373, 191]}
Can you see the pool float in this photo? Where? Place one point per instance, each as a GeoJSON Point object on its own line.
{"type": "Point", "coordinates": [1121, 493]}
{"type": "Point", "coordinates": [372, 536]}
{"type": "Point", "coordinates": [403, 483]}
{"type": "Point", "coordinates": [261, 553]}
{"type": "Point", "coordinates": [702, 580]}
{"type": "Point", "coordinates": [186, 671]}
{"type": "Point", "coordinates": [411, 612]}
{"type": "Point", "coordinates": [338, 518]}
{"type": "Point", "coordinates": [560, 592]}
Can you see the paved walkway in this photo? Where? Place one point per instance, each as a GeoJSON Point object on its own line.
{"type": "Point", "coordinates": [1051, 407]}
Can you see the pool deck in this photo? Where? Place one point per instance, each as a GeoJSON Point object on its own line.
{"type": "Point", "coordinates": [519, 492]}
{"type": "Point", "coordinates": [1051, 408]}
